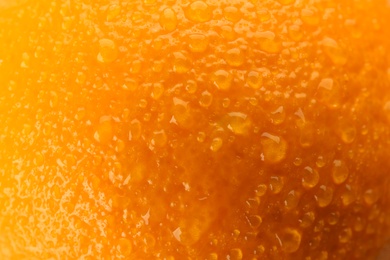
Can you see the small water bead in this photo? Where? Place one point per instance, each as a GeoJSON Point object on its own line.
{"type": "Point", "coordinates": [212, 256]}
{"type": "Point", "coordinates": [235, 254]}
{"type": "Point", "coordinates": [119, 146]}
{"type": "Point", "coordinates": [124, 247]}
{"type": "Point", "coordinates": [157, 91]}
{"type": "Point", "coordinates": [310, 178]}
{"type": "Point", "coordinates": [222, 79]}
{"type": "Point", "coordinates": [168, 19]}
{"type": "Point", "coordinates": [143, 103]}
{"type": "Point", "coordinates": [276, 184]}
{"type": "Point", "coordinates": [130, 85]}
{"type": "Point", "coordinates": [261, 189]}
{"type": "Point", "coordinates": [310, 16]}
{"type": "Point", "coordinates": [307, 134]}
{"type": "Point", "coordinates": [345, 235]}
{"type": "Point", "coordinates": [198, 11]}
{"type": "Point", "coordinates": [159, 139]}
{"type": "Point", "coordinates": [263, 15]}
{"type": "Point", "coordinates": [320, 162]}
{"type": "Point", "coordinates": [334, 51]}
{"type": "Point", "coordinates": [324, 196]}
{"type": "Point", "coordinates": [238, 123]}
{"type": "Point", "coordinates": [267, 42]}
{"type": "Point", "coordinates": [329, 93]}
{"type": "Point", "coordinates": [232, 14]}
{"type": "Point", "coordinates": [108, 51]}
{"type": "Point", "coordinates": [292, 199]}
{"type": "Point", "coordinates": [307, 219]}
{"type": "Point", "coordinates": [348, 195]}
{"type": "Point", "coordinates": [289, 239]}
{"type": "Point", "coordinates": [278, 115]}
{"type": "Point", "coordinates": [333, 218]}
{"type": "Point", "coordinates": [201, 137]}
{"type": "Point", "coordinates": [206, 99]}
{"type": "Point", "coordinates": [38, 159]}
{"type": "Point", "coordinates": [104, 132]}
{"type": "Point", "coordinates": [297, 161]}
{"type": "Point", "coordinates": [295, 32]}
{"type": "Point", "coordinates": [181, 64]}
{"type": "Point", "coordinates": [135, 130]}
{"type": "Point", "coordinates": [182, 113]}
{"type": "Point", "coordinates": [274, 148]}
{"type": "Point", "coordinates": [191, 86]}
{"type": "Point", "coordinates": [235, 57]}
{"type": "Point", "coordinates": [198, 42]}
{"type": "Point", "coordinates": [347, 132]}
{"type": "Point", "coordinates": [80, 114]}
{"type": "Point", "coordinates": [255, 221]}
{"type": "Point", "coordinates": [371, 196]}
{"type": "Point", "coordinates": [340, 171]}
{"type": "Point", "coordinates": [216, 144]}
{"type": "Point", "coordinates": [113, 12]}
{"type": "Point", "coordinates": [254, 79]}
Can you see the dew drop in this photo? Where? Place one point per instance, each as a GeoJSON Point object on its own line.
{"type": "Point", "coordinates": [238, 123]}
{"type": "Point", "coordinates": [201, 137]}
{"type": "Point", "coordinates": [289, 239]}
{"type": "Point", "coordinates": [263, 15]}
{"type": "Point", "coordinates": [234, 57]}
{"type": "Point", "coordinates": [198, 11]}
{"type": "Point", "coordinates": [232, 14]}
{"type": "Point", "coordinates": [135, 130]}
{"type": "Point", "coordinates": [107, 51]}
{"type": "Point", "coordinates": [274, 148]}
{"type": "Point", "coordinates": [310, 16]}
{"type": "Point", "coordinates": [168, 20]}
{"type": "Point", "coordinates": [340, 171]}
{"type": "Point", "coordinates": [181, 64]}
{"type": "Point", "coordinates": [254, 79]}
{"type": "Point", "coordinates": [157, 91]}
{"type": "Point", "coordinates": [255, 221]}
{"type": "Point", "coordinates": [216, 144]}
{"type": "Point", "coordinates": [295, 33]}
{"type": "Point", "coordinates": [235, 254]}
{"type": "Point", "coordinates": [333, 218]}
{"type": "Point", "coordinates": [276, 184]}
{"type": "Point", "coordinates": [113, 12]}
{"type": "Point", "coordinates": [159, 139]}
{"type": "Point", "coordinates": [345, 235]}
{"type": "Point", "coordinates": [124, 247]}
{"type": "Point", "coordinates": [347, 196]}
{"type": "Point", "coordinates": [292, 200]}
{"type": "Point", "coordinates": [320, 162]}
{"type": "Point", "coordinates": [104, 132]}
{"type": "Point", "coordinates": [198, 42]}
{"type": "Point", "coordinates": [206, 99]}
{"type": "Point", "coordinates": [310, 177]}
{"type": "Point", "coordinates": [261, 190]}
{"type": "Point", "coordinates": [334, 51]}
{"type": "Point", "coordinates": [182, 113]}
{"type": "Point", "coordinates": [191, 86]}
{"type": "Point", "coordinates": [268, 43]}
{"type": "Point", "coordinates": [324, 196]}
{"type": "Point", "coordinates": [307, 219]}
{"type": "Point", "coordinates": [277, 116]}
{"type": "Point", "coordinates": [80, 114]}
{"type": "Point", "coordinates": [222, 79]}
{"type": "Point", "coordinates": [371, 196]}
{"type": "Point", "coordinates": [329, 93]}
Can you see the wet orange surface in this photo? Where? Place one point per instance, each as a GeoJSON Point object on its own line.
{"type": "Point", "coordinates": [194, 129]}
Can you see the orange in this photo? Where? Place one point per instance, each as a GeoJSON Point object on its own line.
{"type": "Point", "coordinates": [186, 129]}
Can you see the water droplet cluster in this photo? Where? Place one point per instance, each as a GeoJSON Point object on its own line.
{"type": "Point", "coordinates": [196, 129]}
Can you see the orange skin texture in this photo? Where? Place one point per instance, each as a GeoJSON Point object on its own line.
{"type": "Point", "coordinates": [194, 129]}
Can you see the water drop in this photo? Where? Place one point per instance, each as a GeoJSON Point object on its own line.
{"type": "Point", "coordinates": [201, 137]}
{"type": "Point", "coordinates": [297, 161]}
{"type": "Point", "coordinates": [135, 130]}
{"type": "Point", "coordinates": [198, 11]}
{"type": "Point", "coordinates": [168, 20]}
{"type": "Point", "coordinates": [254, 221]}
{"type": "Point", "coordinates": [274, 148]}
{"type": "Point", "coordinates": [222, 79]}
{"type": "Point", "coordinates": [261, 190]}
{"type": "Point", "coordinates": [206, 99]}
{"type": "Point", "coordinates": [113, 11]}
{"type": "Point", "coordinates": [107, 51]}
{"type": "Point", "coordinates": [158, 90]}
{"type": "Point", "coordinates": [104, 132]}
{"type": "Point", "coordinates": [310, 177]}
{"type": "Point", "coordinates": [232, 14]}
{"type": "Point", "coordinates": [181, 64]}
{"type": "Point", "coordinates": [124, 247]}
{"type": "Point", "coordinates": [334, 51]}
{"type": "Point", "coordinates": [276, 184]}
{"type": "Point", "coordinates": [333, 218]}
{"type": "Point", "coordinates": [324, 196]}
{"type": "Point", "coordinates": [182, 113]}
{"type": "Point", "coordinates": [292, 200]}
{"type": "Point", "coordinates": [329, 93]}
{"type": "Point", "coordinates": [320, 162]}
{"type": "Point", "coordinates": [278, 115]}
{"type": "Point", "coordinates": [307, 219]}
{"type": "Point", "coordinates": [238, 123]}
{"type": "Point", "coordinates": [235, 254]}
{"type": "Point", "coordinates": [263, 15]}
{"type": "Point", "coordinates": [310, 16]}
{"type": "Point", "coordinates": [371, 196]}
{"type": "Point", "coordinates": [80, 114]}
{"type": "Point", "coordinates": [191, 86]}
{"type": "Point", "coordinates": [348, 196]}
{"type": "Point", "coordinates": [254, 79]}
{"type": "Point", "coordinates": [216, 144]}
{"type": "Point", "coordinates": [340, 171]}
{"type": "Point", "coordinates": [295, 32]}
{"type": "Point", "coordinates": [268, 43]}
{"type": "Point", "coordinates": [159, 139]}
{"type": "Point", "coordinates": [197, 42]}
{"type": "Point", "coordinates": [345, 235]}
{"type": "Point", "coordinates": [234, 57]}
{"type": "Point", "coordinates": [289, 239]}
